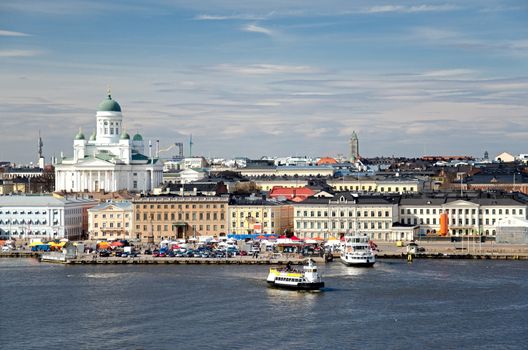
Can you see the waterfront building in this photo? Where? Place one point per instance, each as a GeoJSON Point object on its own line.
{"type": "Point", "coordinates": [468, 214]}
{"type": "Point", "coordinates": [255, 215]}
{"type": "Point", "coordinates": [346, 213]}
{"type": "Point", "coordinates": [512, 231]}
{"type": "Point", "coordinates": [44, 216]}
{"type": "Point", "coordinates": [110, 159]}
{"type": "Point", "coordinates": [298, 171]}
{"type": "Point", "coordinates": [110, 221]}
{"type": "Point", "coordinates": [172, 217]}
{"type": "Point", "coordinates": [378, 184]}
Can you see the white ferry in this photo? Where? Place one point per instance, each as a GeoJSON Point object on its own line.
{"type": "Point", "coordinates": [306, 279]}
{"type": "Point", "coordinates": [357, 251]}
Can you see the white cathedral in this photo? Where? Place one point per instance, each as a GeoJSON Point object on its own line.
{"type": "Point", "coordinates": [109, 160]}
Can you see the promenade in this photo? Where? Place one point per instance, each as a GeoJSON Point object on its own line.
{"type": "Point", "coordinates": [386, 250]}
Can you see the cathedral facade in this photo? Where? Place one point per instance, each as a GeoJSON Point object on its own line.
{"type": "Point", "coordinates": [110, 160]}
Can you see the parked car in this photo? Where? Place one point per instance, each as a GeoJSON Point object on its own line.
{"type": "Point", "coordinates": [156, 253]}
{"type": "Point", "coordinates": [104, 253]}
{"type": "Point", "coordinates": [171, 254]}
{"type": "Point", "coordinates": [147, 252]}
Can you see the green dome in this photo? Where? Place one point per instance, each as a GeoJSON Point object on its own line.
{"type": "Point", "coordinates": [125, 136]}
{"type": "Point", "coordinates": [93, 137]}
{"type": "Point", "coordinates": [137, 137]}
{"type": "Point", "coordinates": [109, 105]}
{"type": "Point", "coordinates": [79, 136]}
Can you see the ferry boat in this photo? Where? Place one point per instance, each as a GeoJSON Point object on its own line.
{"type": "Point", "coordinates": [306, 279]}
{"type": "Point", "coordinates": [357, 251]}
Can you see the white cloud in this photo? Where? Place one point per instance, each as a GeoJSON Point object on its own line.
{"type": "Point", "coordinates": [264, 69]}
{"type": "Point", "coordinates": [449, 73]}
{"type": "Point", "coordinates": [410, 9]}
{"type": "Point", "coordinates": [19, 53]}
{"type": "Point", "coordinates": [258, 29]}
{"type": "Point", "coordinates": [247, 16]}
{"type": "Point", "coordinates": [11, 33]}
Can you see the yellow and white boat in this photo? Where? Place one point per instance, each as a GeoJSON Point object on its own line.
{"type": "Point", "coordinates": [306, 279]}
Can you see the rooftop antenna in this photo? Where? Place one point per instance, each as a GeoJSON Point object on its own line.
{"type": "Point", "coordinates": [190, 147]}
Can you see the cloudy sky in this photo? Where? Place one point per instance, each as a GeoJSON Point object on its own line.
{"type": "Point", "coordinates": [272, 77]}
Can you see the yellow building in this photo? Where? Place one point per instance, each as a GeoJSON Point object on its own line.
{"type": "Point", "coordinates": [377, 184]}
{"type": "Point", "coordinates": [255, 215]}
{"type": "Point", "coordinates": [267, 184]}
{"type": "Point", "coordinates": [110, 221]}
{"type": "Point", "coordinates": [157, 218]}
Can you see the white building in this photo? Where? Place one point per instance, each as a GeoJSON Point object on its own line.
{"type": "Point", "coordinates": [471, 215]}
{"type": "Point", "coordinates": [110, 160]}
{"type": "Point", "coordinates": [44, 217]}
{"type": "Point", "coordinates": [347, 213]}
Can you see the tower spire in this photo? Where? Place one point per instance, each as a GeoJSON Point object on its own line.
{"type": "Point", "coordinates": [109, 92]}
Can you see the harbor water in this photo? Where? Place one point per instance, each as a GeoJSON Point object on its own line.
{"type": "Point", "coordinates": [429, 304]}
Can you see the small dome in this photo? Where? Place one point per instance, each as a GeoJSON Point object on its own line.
{"type": "Point", "coordinates": [79, 136]}
{"type": "Point", "coordinates": [93, 137]}
{"type": "Point", "coordinates": [109, 105]}
{"type": "Point", "coordinates": [125, 136]}
{"type": "Point", "coordinates": [137, 137]}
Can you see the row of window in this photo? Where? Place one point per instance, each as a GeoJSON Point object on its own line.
{"type": "Point", "coordinates": [241, 225]}
{"type": "Point", "coordinates": [44, 212]}
{"type": "Point", "coordinates": [181, 206]}
{"type": "Point", "coordinates": [249, 214]}
{"type": "Point", "coordinates": [111, 216]}
{"type": "Point", "coordinates": [180, 216]}
{"type": "Point", "coordinates": [158, 228]}
{"type": "Point", "coordinates": [453, 221]}
{"type": "Point", "coordinates": [462, 211]}
{"type": "Point", "coordinates": [341, 225]}
{"type": "Point", "coordinates": [25, 222]}
{"type": "Point", "coordinates": [374, 189]}
{"type": "Point", "coordinates": [343, 213]}
{"type": "Point", "coordinates": [111, 225]}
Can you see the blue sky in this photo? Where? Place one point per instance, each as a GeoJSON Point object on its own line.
{"type": "Point", "coordinates": [269, 77]}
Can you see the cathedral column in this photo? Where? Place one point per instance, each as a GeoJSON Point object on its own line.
{"type": "Point", "coordinates": [98, 180]}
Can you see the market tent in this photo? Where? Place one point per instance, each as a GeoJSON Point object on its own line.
{"type": "Point", "coordinates": [117, 244]}
{"type": "Point", "coordinates": [103, 245]}
{"type": "Point", "coordinates": [261, 237]}
{"type": "Point", "coordinates": [35, 243]}
{"type": "Point", "coordinates": [295, 238]}
{"type": "Point", "coordinates": [318, 239]}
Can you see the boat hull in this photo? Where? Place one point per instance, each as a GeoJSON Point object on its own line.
{"type": "Point", "coordinates": [359, 263]}
{"type": "Point", "coordinates": [298, 286]}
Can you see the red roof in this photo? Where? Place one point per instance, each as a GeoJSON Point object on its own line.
{"type": "Point", "coordinates": [290, 193]}
{"type": "Point", "coordinates": [326, 160]}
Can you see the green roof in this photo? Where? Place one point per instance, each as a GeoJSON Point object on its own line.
{"type": "Point", "coordinates": [105, 156]}
{"type": "Point", "coordinates": [137, 137]}
{"type": "Point", "coordinates": [125, 136]}
{"type": "Point", "coordinates": [109, 105]}
{"type": "Point", "coordinates": [79, 136]}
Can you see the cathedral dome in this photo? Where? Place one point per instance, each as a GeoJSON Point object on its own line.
{"type": "Point", "coordinates": [109, 105]}
{"type": "Point", "coordinates": [137, 137]}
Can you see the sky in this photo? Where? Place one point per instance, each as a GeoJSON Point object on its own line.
{"type": "Point", "coordinates": [268, 78]}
